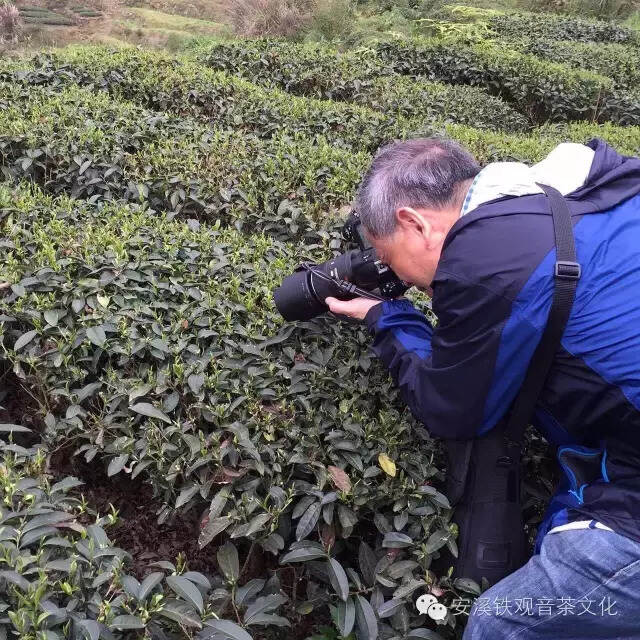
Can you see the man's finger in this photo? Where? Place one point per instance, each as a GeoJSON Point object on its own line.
{"type": "Point", "coordinates": [337, 306]}
{"type": "Point", "coordinates": [357, 308]}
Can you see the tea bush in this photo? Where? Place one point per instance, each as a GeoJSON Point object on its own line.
{"type": "Point", "coordinates": [557, 27]}
{"type": "Point", "coordinates": [40, 15]}
{"type": "Point", "coordinates": [542, 90]}
{"type": "Point", "coordinates": [57, 138]}
{"type": "Point", "coordinates": [311, 70]}
{"type": "Point", "coordinates": [496, 146]}
{"type": "Point", "coordinates": [360, 77]}
{"type": "Point", "coordinates": [61, 578]}
{"type": "Point", "coordinates": [617, 61]}
{"type": "Point", "coordinates": [163, 83]}
{"type": "Point", "coordinates": [153, 344]}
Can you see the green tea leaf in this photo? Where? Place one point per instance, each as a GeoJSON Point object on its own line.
{"type": "Point", "coordinates": [117, 464]}
{"type": "Point", "coordinates": [180, 612]}
{"type": "Point", "coordinates": [13, 428]}
{"type": "Point", "coordinates": [396, 540]}
{"type": "Point", "coordinates": [213, 527]}
{"type": "Point", "coordinates": [149, 583]}
{"type": "Point", "coordinates": [302, 555]}
{"type": "Point", "coordinates": [346, 616]}
{"type": "Point", "coordinates": [127, 622]}
{"type": "Point", "coordinates": [263, 605]}
{"type": "Point", "coordinates": [366, 622]}
{"type": "Point", "coordinates": [308, 520]}
{"type": "Point", "coordinates": [97, 336]}
{"type": "Point", "coordinates": [146, 409]}
{"type": "Point", "coordinates": [187, 590]}
{"type": "Point", "coordinates": [338, 578]}
{"type": "Point", "coordinates": [226, 629]}
{"type": "Point", "coordinates": [25, 339]}
{"type": "Point", "coordinates": [228, 561]}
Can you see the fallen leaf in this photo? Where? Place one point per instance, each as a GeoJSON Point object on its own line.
{"type": "Point", "coordinates": [387, 464]}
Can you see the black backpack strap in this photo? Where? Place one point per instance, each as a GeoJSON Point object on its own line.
{"type": "Point", "coordinates": [483, 475]}
{"type": "Point", "coordinates": [566, 275]}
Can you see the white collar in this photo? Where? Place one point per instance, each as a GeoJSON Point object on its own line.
{"type": "Point", "coordinates": [566, 168]}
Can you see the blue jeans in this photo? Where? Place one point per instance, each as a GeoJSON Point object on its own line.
{"type": "Point", "coordinates": [584, 583]}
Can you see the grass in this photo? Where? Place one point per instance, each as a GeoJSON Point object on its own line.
{"type": "Point", "coordinates": [633, 21]}
{"type": "Point", "coordinates": [160, 30]}
{"type": "Point", "coordinates": [159, 20]}
{"type": "Point", "coordinates": [202, 9]}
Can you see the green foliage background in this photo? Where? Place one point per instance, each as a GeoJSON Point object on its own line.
{"type": "Point", "coordinates": [149, 205]}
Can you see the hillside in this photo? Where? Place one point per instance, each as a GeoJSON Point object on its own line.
{"type": "Point", "coordinates": [56, 23]}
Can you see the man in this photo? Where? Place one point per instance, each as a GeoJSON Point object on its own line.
{"type": "Point", "coordinates": [483, 241]}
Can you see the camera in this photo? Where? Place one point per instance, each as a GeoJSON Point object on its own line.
{"type": "Point", "coordinates": [354, 273]}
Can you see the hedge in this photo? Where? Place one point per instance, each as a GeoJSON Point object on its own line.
{"type": "Point", "coordinates": [311, 70]}
{"type": "Point", "coordinates": [617, 61]}
{"type": "Point", "coordinates": [162, 83]}
{"type": "Point", "coordinates": [288, 188]}
{"type": "Point", "coordinates": [546, 26]}
{"type": "Point", "coordinates": [541, 89]}
{"type": "Point", "coordinates": [319, 72]}
{"type": "Point", "coordinates": [93, 147]}
{"type": "Point", "coordinates": [153, 345]}
{"type": "Point", "coordinates": [38, 15]}
{"type": "Point", "coordinates": [497, 147]}
{"type": "Point", "coordinates": [61, 577]}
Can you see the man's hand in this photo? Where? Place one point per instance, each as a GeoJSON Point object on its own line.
{"type": "Point", "coordinates": [356, 308]}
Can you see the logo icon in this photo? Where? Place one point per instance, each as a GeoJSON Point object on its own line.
{"type": "Point", "coordinates": [428, 603]}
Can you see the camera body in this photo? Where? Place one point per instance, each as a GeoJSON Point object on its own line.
{"type": "Point", "coordinates": [358, 272]}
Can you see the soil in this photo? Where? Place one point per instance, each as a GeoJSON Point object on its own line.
{"type": "Point", "coordinates": [137, 530]}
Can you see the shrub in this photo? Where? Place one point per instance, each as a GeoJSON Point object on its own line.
{"type": "Point", "coordinates": [541, 89]}
{"type": "Point", "coordinates": [437, 102]}
{"type": "Point", "coordinates": [38, 15]}
{"type": "Point", "coordinates": [315, 71]}
{"type": "Point", "coordinates": [56, 139]}
{"type": "Point", "coordinates": [311, 70]}
{"type": "Point", "coordinates": [288, 18]}
{"type": "Point", "coordinates": [490, 146]}
{"type": "Point", "coordinates": [161, 83]}
{"type": "Point", "coordinates": [63, 578]}
{"type": "Point", "coordinates": [617, 61]}
{"type": "Point", "coordinates": [554, 27]}
{"type": "Point", "coordinates": [86, 12]}
{"type": "Point", "coordinates": [144, 358]}
{"type": "Point", "coordinates": [9, 22]}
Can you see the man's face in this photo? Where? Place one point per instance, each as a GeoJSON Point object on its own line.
{"type": "Point", "coordinates": [411, 253]}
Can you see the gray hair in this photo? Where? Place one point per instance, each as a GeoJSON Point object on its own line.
{"type": "Point", "coordinates": [423, 172]}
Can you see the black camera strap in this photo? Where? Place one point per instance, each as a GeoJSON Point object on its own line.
{"type": "Point", "coordinates": [344, 286]}
{"type": "Point", "coordinates": [567, 272]}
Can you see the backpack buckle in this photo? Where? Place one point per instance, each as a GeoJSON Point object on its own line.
{"type": "Point", "coordinates": [566, 270]}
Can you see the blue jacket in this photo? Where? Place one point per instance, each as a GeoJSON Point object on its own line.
{"type": "Point", "coordinates": [492, 293]}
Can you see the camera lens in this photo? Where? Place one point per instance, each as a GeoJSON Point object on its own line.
{"type": "Point", "coordinates": [295, 298]}
{"type": "Point", "coordinates": [301, 295]}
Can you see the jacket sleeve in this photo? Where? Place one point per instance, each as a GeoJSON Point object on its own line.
{"type": "Point", "coordinates": [445, 374]}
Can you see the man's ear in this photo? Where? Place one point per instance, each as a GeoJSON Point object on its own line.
{"type": "Point", "coordinates": [410, 221]}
